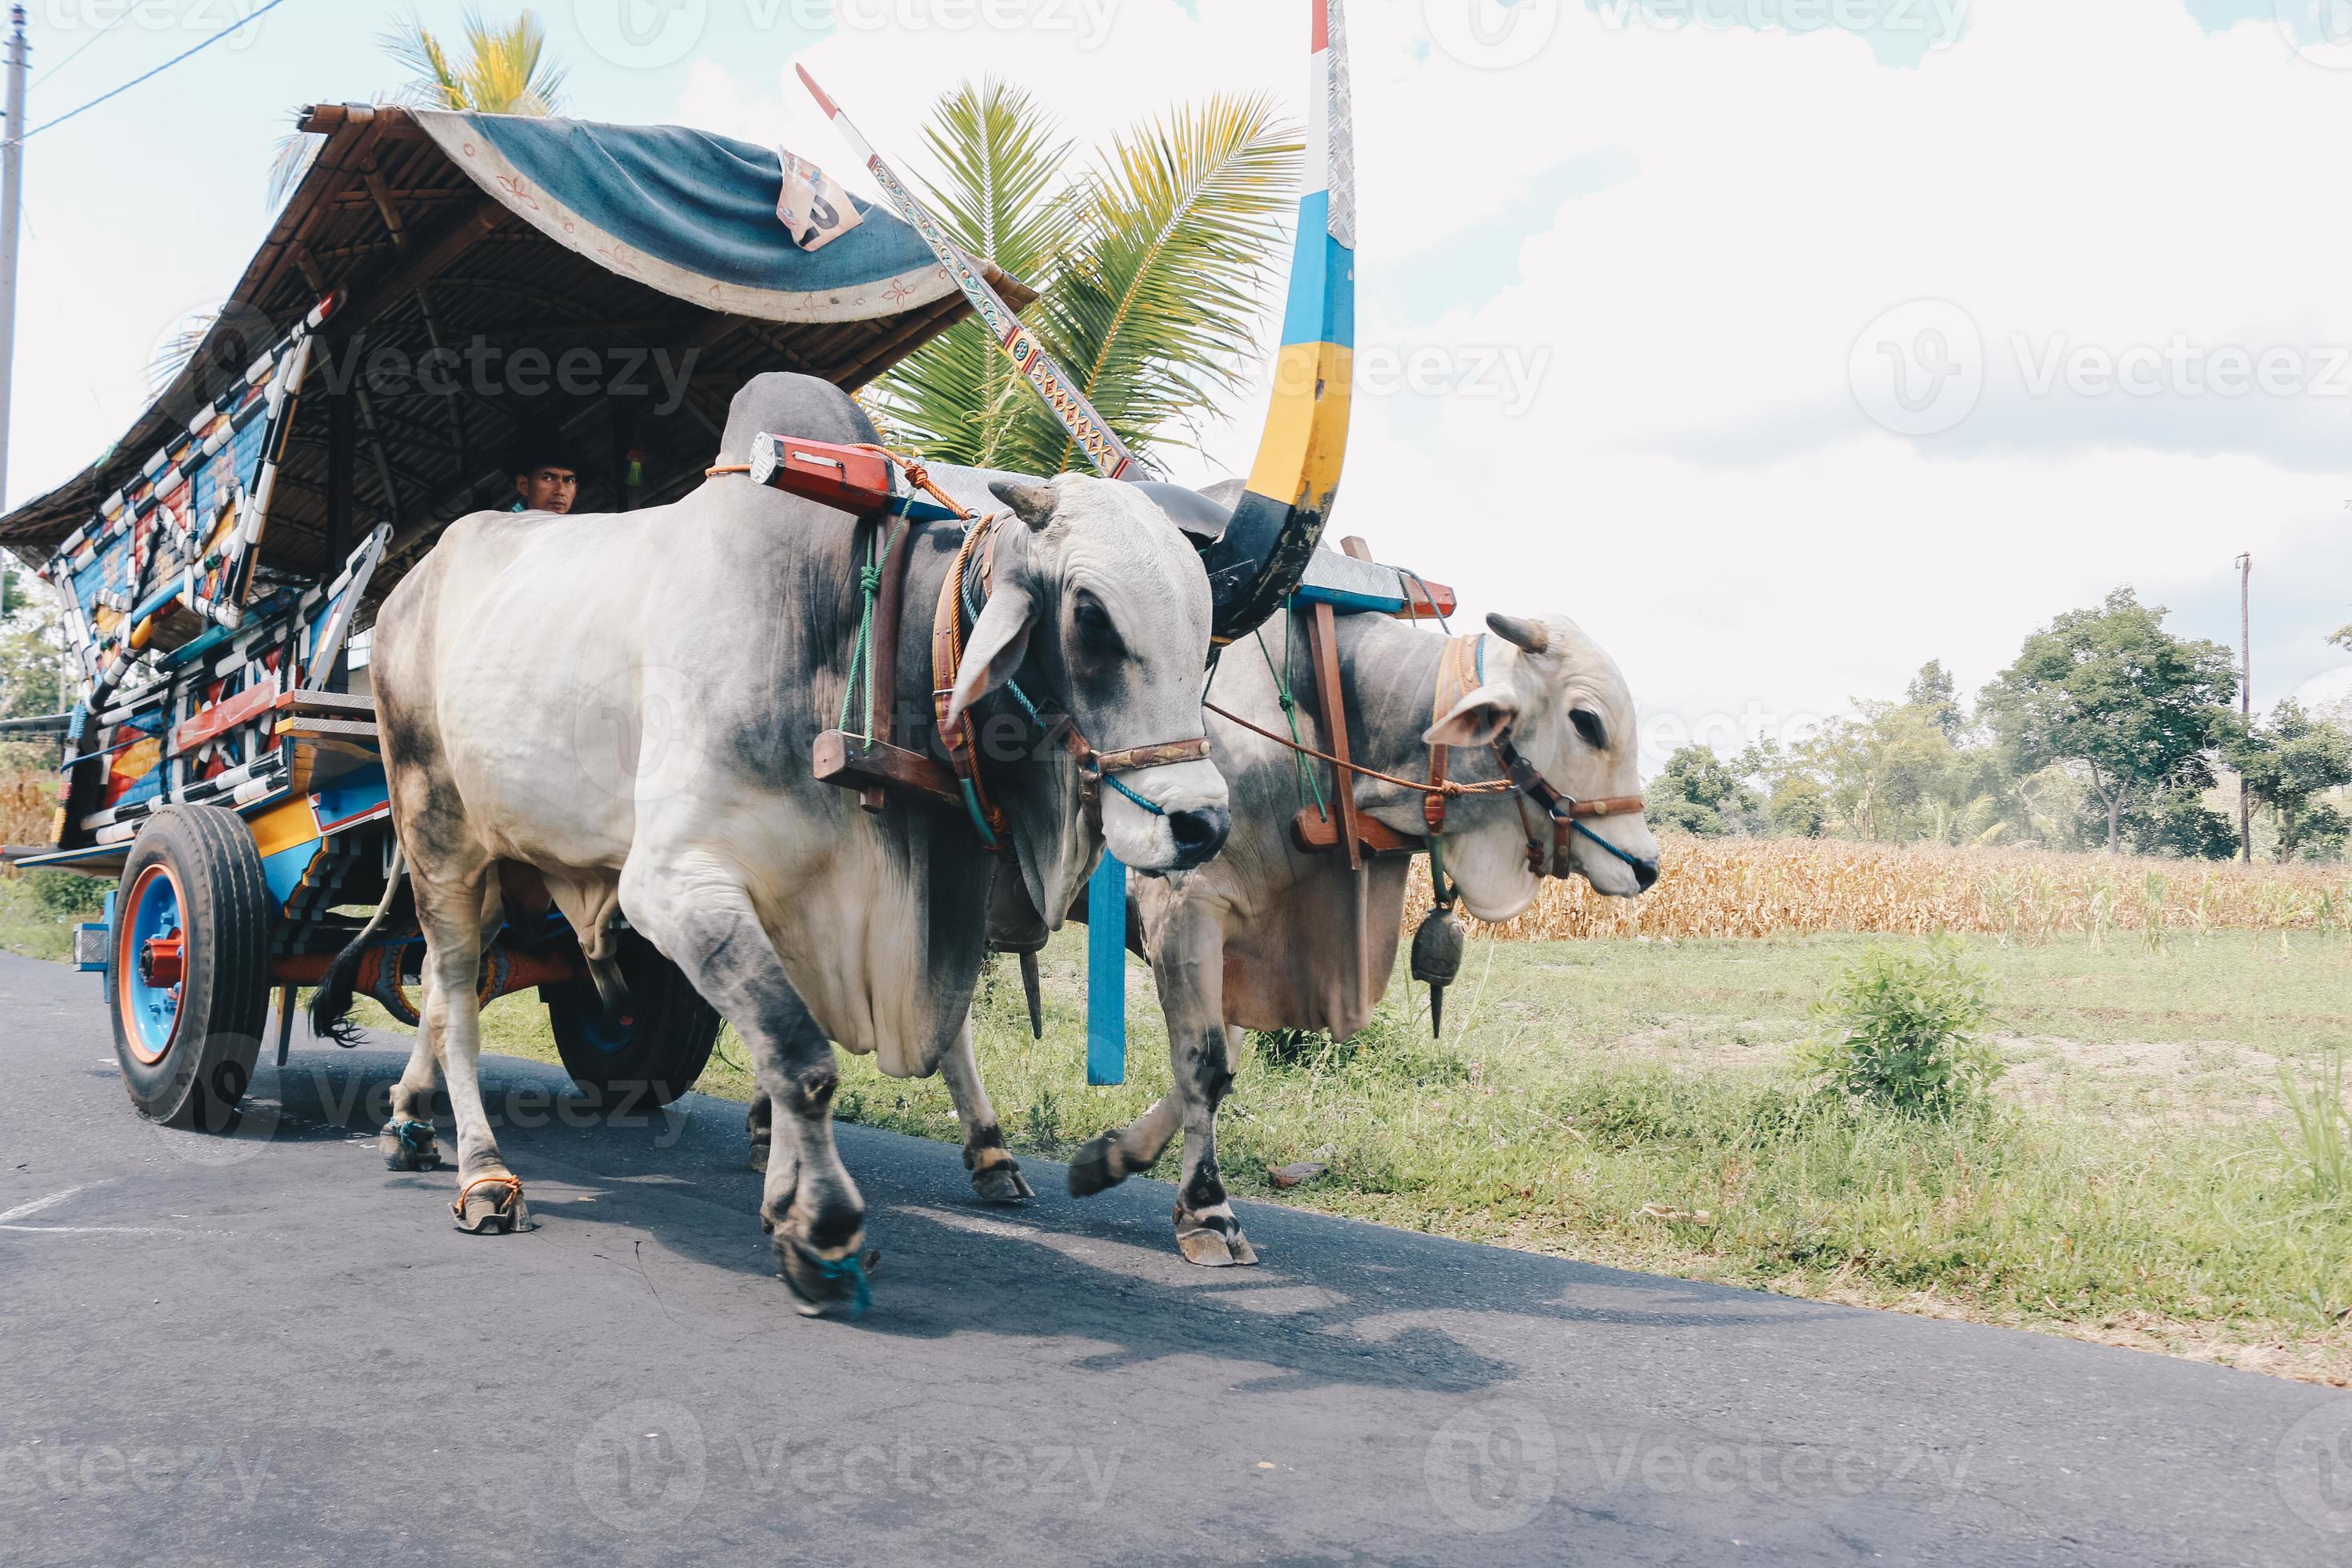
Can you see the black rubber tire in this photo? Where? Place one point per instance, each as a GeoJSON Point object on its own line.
{"type": "Point", "coordinates": [202, 1072]}
{"type": "Point", "coordinates": [650, 1057]}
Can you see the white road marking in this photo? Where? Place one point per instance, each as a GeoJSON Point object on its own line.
{"type": "Point", "coordinates": [38, 1205]}
{"type": "Point", "coordinates": [91, 1230]}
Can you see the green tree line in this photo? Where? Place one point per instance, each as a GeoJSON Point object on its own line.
{"type": "Point", "coordinates": [2107, 731]}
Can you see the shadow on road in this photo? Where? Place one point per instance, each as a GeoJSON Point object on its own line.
{"type": "Point", "coordinates": [1337, 1303]}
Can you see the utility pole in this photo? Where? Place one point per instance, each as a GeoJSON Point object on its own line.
{"type": "Point", "coordinates": [2245, 564]}
{"type": "Point", "coordinates": [11, 204]}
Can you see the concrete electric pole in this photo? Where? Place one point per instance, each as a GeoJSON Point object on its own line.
{"type": "Point", "coordinates": [12, 201]}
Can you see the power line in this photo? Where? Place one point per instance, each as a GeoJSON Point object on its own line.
{"type": "Point", "coordinates": [123, 16]}
{"type": "Point", "coordinates": [149, 76]}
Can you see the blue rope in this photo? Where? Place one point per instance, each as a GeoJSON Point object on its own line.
{"type": "Point", "coordinates": [833, 1271]}
{"type": "Point", "coordinates": [978, 817]}
{"type": "Point", "coordinates": [1580, 826]}
{"type": "Point", "coordinates": [1152, 806]}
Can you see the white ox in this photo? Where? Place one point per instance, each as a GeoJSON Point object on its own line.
{"type": "Point", "coordinates": [718, 632]}
{"type": "Point", "coordinates": [1271, 937]}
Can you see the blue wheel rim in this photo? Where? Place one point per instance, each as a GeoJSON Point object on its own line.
{"type": "Point", "coordinates": [151, 1014]}
{"type": "Point", "coordinates": [607, 1036]}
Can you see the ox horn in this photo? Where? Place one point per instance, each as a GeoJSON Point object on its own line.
{"type": "Point", "coordinates": [1033, 504]}
{"type": "Point", "coordinates": [1264, 551]}
{"type": "Point", "coordinates": [1533, 636]}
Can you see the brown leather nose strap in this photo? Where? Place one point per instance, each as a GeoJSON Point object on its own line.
{"type": "Point", "coordinates": [1160, 756]}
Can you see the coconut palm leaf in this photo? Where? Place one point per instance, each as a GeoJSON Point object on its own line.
{"type": "Point", "coordinates": [1157, 309]}
{"type": "Point", "coordinates": [507, 70]}
{"type": "Point", "coordinates": [1151, 268]}
{"type": "Point", "coordinates": [999, 195]}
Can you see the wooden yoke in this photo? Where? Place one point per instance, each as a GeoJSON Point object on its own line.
{"type": "Point", "coordinates": [1311, 831]}
{"type": "Point", "coordinates": [1323, 660]}
{"type": "Point", "coordinates": [857, 479]}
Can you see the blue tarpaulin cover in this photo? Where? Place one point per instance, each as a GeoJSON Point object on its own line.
{"type": "Point", "coordinates": [690, 213]}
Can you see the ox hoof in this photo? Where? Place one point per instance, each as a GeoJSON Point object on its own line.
{"type": "Point", "coordinates": [1213, 1242]}
{"type": "Point", "coordinates": [408, 1146]}
{"type": "Point", "coordinates": [491, 1206]}
{"type": "Point", "coordinates": [827, 1286]}
{"type": "Point", "coordinates": [1002, 1185]}
{"type": "Point", "coordinates": [1100, 1167]}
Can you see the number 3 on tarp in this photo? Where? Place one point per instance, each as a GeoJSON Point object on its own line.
{"type": "Point", "coordinates": [1106, 974]}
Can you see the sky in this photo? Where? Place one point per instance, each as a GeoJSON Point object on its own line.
{"type": "Point", "coordinates": [1783, 344]}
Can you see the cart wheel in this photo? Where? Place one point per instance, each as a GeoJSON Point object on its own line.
{"type": "Point", "coordinates": [652, 1054]}
{"type": "Point", "coordinates": [188, 968]}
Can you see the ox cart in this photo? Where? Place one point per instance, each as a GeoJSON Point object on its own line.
{"type": "Point", "coordinates": [437, 285]}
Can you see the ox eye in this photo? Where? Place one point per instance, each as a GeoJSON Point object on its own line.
{"type": "Point", "coordinates": [1095, 629]}
{"type": "Point", "coordinates": [1589, 725]}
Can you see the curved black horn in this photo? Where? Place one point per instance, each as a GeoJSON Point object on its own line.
{"type": "Point", "coordinates": [1264, 551]}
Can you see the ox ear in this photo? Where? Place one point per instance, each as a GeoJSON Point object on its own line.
{"type": "Point", "coordinates": [1033, 504]}
{"type": "Point", "coordinates": [1000, 640]}
{"type": "Point", "coordinates": [1477, 719]}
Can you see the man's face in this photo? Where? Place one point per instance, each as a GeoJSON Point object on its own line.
{"type": "Point", "coordinates": [548, 489]}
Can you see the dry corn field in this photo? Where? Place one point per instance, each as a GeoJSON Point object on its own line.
{"type": "Point", "coordinates": [27, 802]}
{"type": "Point", "coordinates": [1753, 888]}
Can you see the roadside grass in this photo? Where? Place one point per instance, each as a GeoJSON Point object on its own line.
{"type": "Point", "coordinates": [2138, 1176]}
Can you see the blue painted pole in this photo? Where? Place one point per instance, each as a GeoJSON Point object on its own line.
{"type": "Point", "coordinates": [1106, 974]}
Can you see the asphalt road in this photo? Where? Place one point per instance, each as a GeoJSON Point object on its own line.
{"type": "Point", "coordinates": [267, 1349]}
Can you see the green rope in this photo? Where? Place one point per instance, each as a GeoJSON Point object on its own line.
{"type": "Point", "coordinates": [861, 657]}
{"type": "Point", "coordinates": [1304, 777]}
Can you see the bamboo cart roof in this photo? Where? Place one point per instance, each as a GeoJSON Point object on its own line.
{"type": "Point", "coordinates": [488, 233]}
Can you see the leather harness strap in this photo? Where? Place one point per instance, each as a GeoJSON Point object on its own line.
{"type": "Point", "coordinates": [1094, 768]}
{"type": "Point", "coordinates": [946, 658]}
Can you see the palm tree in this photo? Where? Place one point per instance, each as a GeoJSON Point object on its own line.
{"type": "Point", "coordinates": [1150, 267]}
{"type": "Point", "coordinates": [507, 71]}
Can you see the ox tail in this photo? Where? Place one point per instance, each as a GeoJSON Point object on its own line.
{"type": "Point", "coordinates": [332, 1001]}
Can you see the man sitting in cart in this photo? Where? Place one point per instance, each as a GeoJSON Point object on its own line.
{"type": "Point", "coordinates": [546, 476]}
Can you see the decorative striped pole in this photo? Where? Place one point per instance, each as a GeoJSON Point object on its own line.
{"type": "Point", "coordinates": [1106, 974]}
{"type": "Point", "coordinates": [1279, 520]}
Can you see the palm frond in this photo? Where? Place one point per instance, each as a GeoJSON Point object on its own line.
{"type": "Point", "coordinates": [998, 195]}
{"type": "Point", "coordinates": [1150, 271]}
{"type": "Point", "coordinates": [1159, 307]}
{"type": "Point", "coordinates": [292, 160]}
{"type": "Point", "coordinates": [507, 71]}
